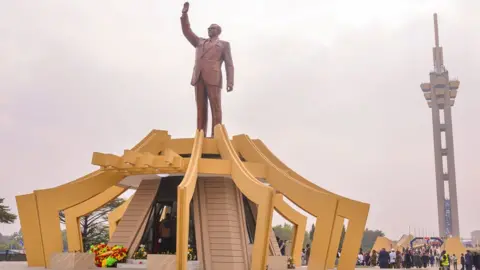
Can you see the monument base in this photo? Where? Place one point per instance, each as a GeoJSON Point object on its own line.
{"type": "Point", "coordinates": [72, 261]}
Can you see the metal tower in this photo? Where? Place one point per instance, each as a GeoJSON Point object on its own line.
{"type": "Point", "coordinates": [440, 94]}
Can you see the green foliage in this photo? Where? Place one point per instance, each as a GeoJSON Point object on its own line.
{"type": "Point", "coordinates": [5, 215]}
{"type": "Point", "coordinates": [13, 241]}
{"type": "Point", "coordinates": [369, 237]}
{"type": "Point", "coordinates": [93, 226]}
{"type": "Point", "coordinates": [284, 232]}
{"type": "Point", "coordinates": [306, 239]}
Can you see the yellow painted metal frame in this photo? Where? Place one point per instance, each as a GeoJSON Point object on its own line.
{"type": "Point", "coordinates": [318, 204]}
{"type": "Point", "coordinates": [330, 218]}
{"type": "Point", "coordinates": [73, 214]}
{"type": "Point", "coordinates": [38, 211]}
{"type": "Point", "coordinates": [184, 196]}
{"type": "Point", "coordinates": [298, 220]}
{"type": "Point", "coordinates": [115, 216]}
{"type": "Point", "coordinates": [356, 212]}
{"type": "Point", "coordinates": [158, 153]}
{"type": "Point", "coordinates": [256, 192]}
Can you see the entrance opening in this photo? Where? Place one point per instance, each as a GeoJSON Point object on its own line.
{"type": "Point", "coordinates": [159, 236]}
{"type": "Point", "coordinates": [284, 236]}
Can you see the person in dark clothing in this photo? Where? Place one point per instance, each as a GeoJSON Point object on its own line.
{"type": "Point", "coordinates": [462, 261]}
{"type": "Point", "coordinates": [408, 259]}
{"type": "Point", "coordinates": [366, 259]}
{"type": "Point", "coordinates": [373, 258]}
{"type": "Point", "coordinates": [165, 229]}
{"type": "Point", "coordinates": [468, 260]}
{"type": "Point", "coordinates": [383, 258]}
{"type": "Point", "coordinates": [425, 260]}
{"type": "Point", "coordinates": [307, 253]}
{"type": "Point", "coordinates": [476, 260]}
{"type": "Point", "coordinates": [282, 247]}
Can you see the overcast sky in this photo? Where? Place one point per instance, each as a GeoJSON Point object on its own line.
{"type": "Point", "coordinates": [332, 87]}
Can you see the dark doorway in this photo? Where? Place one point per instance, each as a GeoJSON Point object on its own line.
{"type": "Point", "coordinates": [160, 232]}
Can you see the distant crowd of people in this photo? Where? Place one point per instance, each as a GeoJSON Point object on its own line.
{"type": "Point", "coordinates": [418, 258]}
{"type": "Point", "coordinates": [305, 251]}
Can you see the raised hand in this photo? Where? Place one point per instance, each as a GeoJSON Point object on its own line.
{"type": "Point", "coordinates": [186, 6]}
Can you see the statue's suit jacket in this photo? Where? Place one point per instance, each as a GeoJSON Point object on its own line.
{"type": "Point", "coordinates": [209, 57]}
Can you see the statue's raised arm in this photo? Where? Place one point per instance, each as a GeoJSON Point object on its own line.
{"type": "Point", "coordinates": [187, 31]}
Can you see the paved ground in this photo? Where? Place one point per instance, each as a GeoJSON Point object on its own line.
{"type": "Point", "coordinates": [23, 266]}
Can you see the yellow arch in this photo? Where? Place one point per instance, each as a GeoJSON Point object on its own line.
{"type": "Point", "coordinates": [356, 212]}
{"type": "Point", "coordinates": [50, 201]}
{"type": "Point", "coordinates": [115, 216]}
{"type": "Point", "coordinates": [298, 220]}
{"type": "Point", "coordinates": [454, 245]}
{"type": "Point", "coordinates": [255, 191]}
{"type": "Point", "coordinates": [73, 214]}
{"type": "Point", "coordinates": [184, 196]}
{"type": "Point", "coordinates": [317, 203]}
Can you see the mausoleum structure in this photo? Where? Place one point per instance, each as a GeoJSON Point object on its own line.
{"type": "Point", "coordinates": [219, 192]}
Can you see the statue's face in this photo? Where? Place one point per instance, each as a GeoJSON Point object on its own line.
{"type": "Point", "coordinates": [214, 30]}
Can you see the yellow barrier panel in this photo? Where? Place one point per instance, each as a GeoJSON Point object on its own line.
{"type": "Point", "coordinates": [32, 236]}
{"type": "Point", "coordinates": [255, 191]}
{"type": "Point", "coordinates": [184, 196]}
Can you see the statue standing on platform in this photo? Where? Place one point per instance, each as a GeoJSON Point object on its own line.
{"type": "Point", "coordinates": [210, 54]}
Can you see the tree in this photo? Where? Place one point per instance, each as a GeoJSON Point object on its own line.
{"type": "Point", "coordinates": [5, 215]}
{"type": "Point", "coordinates": [342, 238]}
{"type": "Point", "coordinates": [18, 236]}
{"type": "Point", "coordinates": [312, 232]}
{"type": "Point", "coordinates": [369, 238]}
{"type": "Point", "coordinates": [284, 232]}
{"type": "Point", "coordinates": [93, 226]}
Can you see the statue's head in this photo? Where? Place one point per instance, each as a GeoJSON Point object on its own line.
{"type": "Point", "coordinates": [214, 30]}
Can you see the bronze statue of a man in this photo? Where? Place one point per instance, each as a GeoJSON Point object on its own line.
{"type": "Point", "coordinates": [207, 74]}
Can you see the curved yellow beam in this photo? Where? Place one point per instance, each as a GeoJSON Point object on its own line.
{"type": "Point", "coordinates": [185, 192]}
{"type": "Point", "coordinates": [300, 223]}
{"type": "Point", "coordinates": [115, 216]}
{"type": "Point", "coordinates": [319, 204]}
{"type": "Point", "coordinates": [50, 201]}
{"type": "Point", "coordinates": [73, 214]}
{"type": "Point", "coordinates": [335, 242]}
{"type": "Point", "coordinates": [258, 193]}
{"type": "Point", "coordinates": [356, 212]}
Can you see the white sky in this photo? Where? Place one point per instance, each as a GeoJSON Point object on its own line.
{"type": "Point", "coordinates": [332, 87]}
